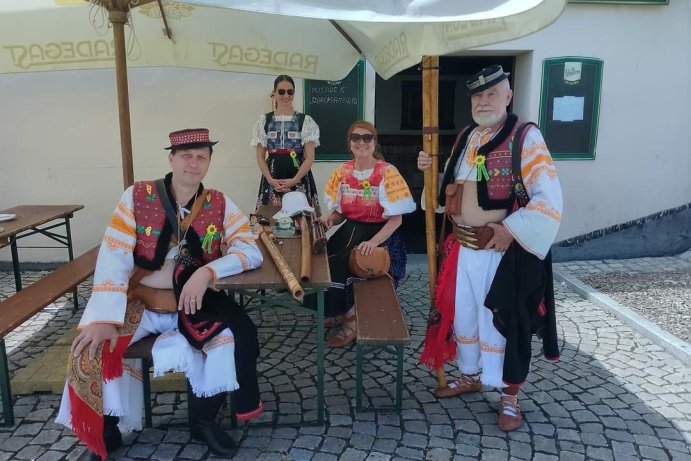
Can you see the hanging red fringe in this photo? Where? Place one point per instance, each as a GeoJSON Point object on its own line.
{"type": "Point", "coordinates": [440, 346]}
{"type": "Point", "coordinates": [87, 424]}
{"type": "Point", "coordinates": [111, 363]}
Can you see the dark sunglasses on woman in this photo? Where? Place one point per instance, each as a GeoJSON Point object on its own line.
{"type": "Point", "coordinates": [355, 137]}
{"type": "Point", "coordinates": [281, 92]}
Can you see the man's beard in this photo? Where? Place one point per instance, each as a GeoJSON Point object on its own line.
{"type": "Point", "coordinates": [487, 119]}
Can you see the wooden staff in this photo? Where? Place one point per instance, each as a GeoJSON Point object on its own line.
{"type": "Point", "coordinates": [318, 235]}
{"type": "Point", "coordinates": [305, 251]}
{"type": "Point", "coordinates": [267, 237]}
{"type": "Point", "coordinates": [430, 144]}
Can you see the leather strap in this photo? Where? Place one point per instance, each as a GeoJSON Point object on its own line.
{"type": "Point", "coordinates": [516, 147]}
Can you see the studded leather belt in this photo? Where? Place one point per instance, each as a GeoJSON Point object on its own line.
{"type": "Point", "coordinates": [475, 238]}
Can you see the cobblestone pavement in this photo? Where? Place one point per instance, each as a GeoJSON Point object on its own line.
{"type": "Point", "coordinates": [614, 395]}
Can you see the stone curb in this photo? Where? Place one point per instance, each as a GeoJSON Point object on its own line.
{"type": "Point", "coordinates": [675, 346]}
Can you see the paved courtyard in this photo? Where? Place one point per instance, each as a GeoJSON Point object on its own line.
{"type": "Point", "coordinates": [613, 395]}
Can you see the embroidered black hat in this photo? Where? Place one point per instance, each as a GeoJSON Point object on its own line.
{"type": "Point", "coordinates": [190, 138]}
{"type": "Point", "coordinates": [486, 78]}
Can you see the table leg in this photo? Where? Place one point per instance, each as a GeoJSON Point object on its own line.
{"type": "Point", "coordinates": [68, 232]}
{"type": "Point", "coordinates": [15, 264]}
{"type": "Point", "coordinates": [320, 356]}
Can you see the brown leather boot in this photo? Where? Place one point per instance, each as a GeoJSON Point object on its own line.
{"type": "Point", "coordinates": [203, 426]}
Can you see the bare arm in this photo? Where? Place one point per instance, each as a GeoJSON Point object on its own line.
{"type": "Point", "coordinates": [263, 167]}
{"type": "Point", "coordinates": [393, 223]}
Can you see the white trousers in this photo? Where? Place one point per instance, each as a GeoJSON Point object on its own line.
{"type": "Point", "coordinates": [480, 346]}
{"type": "Point", "coordinates": [210, 371]}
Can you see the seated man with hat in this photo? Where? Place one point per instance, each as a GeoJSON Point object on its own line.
{"type": "Point", "coordinates": [494, 288]}
{"type": "Point", "coordinates": [160, 254]}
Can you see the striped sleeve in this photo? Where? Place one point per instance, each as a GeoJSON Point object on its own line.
{"type": "Point", "coordinates": [535, 226]}
{"type": "Point", "coordinates": [242, 254]}
{"type": "Point", "coordinates": [114, 265]}
{"type": "Point", "coordinates": [395, 196]}
{"type": "Point", "coordinates": [332, 190]}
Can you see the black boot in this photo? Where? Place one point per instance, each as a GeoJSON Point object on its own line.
{"type": "Point", "coordinates": [111, 436]}
{"type": "Point", "coordinates": [203, 426]}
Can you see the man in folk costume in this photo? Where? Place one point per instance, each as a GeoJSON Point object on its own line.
{"type": "Point", "coordinates": [160, 254]}
{"type": "Point", "coordinates": [494, 289]}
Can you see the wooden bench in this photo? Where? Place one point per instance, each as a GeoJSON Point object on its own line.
{"type": "Point", "coordinates": [26, 303]}
{"type": "Point", "coordinates": [380, 325]}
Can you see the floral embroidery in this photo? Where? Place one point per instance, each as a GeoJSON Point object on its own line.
{"type": "Point", "coordinates": [148, 230]}
{"type": "Point", "coordinates": [150, 196]}
{"type": "Point", "coordinates": [207, 202]}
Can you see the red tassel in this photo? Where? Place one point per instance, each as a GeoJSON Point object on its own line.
{"type": "Point", "coordinates": [439, 345]}
{"type": "Point", "coordinates": [111, 362]}
{"type": "Point", "coordinates": [87, 424]}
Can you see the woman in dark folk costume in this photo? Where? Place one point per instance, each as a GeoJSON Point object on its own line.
{"type": "Point", "coordinates": [285, 141]}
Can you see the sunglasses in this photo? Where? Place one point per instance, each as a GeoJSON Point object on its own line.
{"type": "Point", "coordinates": [281, 92]}
{"type": "Point", "coordinates": [355, 137]}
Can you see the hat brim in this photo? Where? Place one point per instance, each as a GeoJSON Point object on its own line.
{"type": "Point", "coordinates": [497, 80]}
{"type": "Point", "coordinates": [192, 145]}
{"type": "Point", "coordinates": [281, 215]}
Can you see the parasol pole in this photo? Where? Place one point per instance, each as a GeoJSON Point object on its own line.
{"type": "Point", "coordinates": [118, 12]}
{"type": "Point", "coordinates": [119, 18]}
{"type": "Point", "coordinates": [430, 144]}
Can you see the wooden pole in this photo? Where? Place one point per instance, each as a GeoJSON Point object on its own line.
{"type": "Point", "coordinates": [306, 250]}
{"type": "Point", "coordinates": [119, 18]}
{"type": "Point", "coordinates": [430, 144]}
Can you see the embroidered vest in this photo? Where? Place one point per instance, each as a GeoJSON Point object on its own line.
{"type": "Point", "coordinates": [284, 136]}
{"type": "Point", "coordinates": [360, 199]}
{"type": "Point", "coordinates": [154, 233]}
{"type": "Point", "coordinates": [497, 192]}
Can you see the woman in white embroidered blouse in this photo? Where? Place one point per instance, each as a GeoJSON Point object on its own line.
{"type": "Point", "coordinates": [285, 141]}
{"type": "Point", "coordinates": [369, 196]}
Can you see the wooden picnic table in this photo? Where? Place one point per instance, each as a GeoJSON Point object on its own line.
{"type": "Point", "coordinates": [37, 219]}
{"type": "Point", "coordinates": [252, 285]}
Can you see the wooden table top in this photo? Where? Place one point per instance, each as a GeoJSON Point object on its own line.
{"type": "Point", "coordinates": [267, 275]}
{"type": "Point", "coordinates": [29, 216]}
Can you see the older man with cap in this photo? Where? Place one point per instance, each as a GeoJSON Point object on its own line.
{"type": "Point", "coordinates": [160, 254]}
{"type": "Point", "coordinates": [494, 289]}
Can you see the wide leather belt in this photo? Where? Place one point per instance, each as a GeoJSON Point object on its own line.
{"type": "Point", "coordinates": [475, 238]}
{"type": "Point", "coordinates": [156, 300]}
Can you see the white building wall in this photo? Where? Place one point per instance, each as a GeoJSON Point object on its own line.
{"type": "Point", "coordinates": [643, 152]}
{"type": "Point", "coordinates": [60, 135]}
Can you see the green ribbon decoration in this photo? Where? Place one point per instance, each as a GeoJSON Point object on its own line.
{"type": "Point", "coordinates": [209, 237]}
{"type": "Point", "coordinates": [294, 156]}
{"type": "Point", "coordinates": [366, 191]}
{"type": "Point", "coordinates": [206, 243]}
{"type": "Point", "coordinates": [481, 168]}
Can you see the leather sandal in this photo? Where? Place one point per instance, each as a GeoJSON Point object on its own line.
{"type": "Point", "coordinates": [463, 385]}
{"type": "Point", "coordinates": [510, 417]}
{"type": "Point", "coordinates": [345, 335]}
{"type": "Point", "coordinates": [330, 322]}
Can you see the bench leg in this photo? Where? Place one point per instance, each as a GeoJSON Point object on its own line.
{"type": "Point", "coordinates": [399, 378]}
{"type": "Point", "coordinates": [146, 382]}
{"type": "Point", "coordinates": [7, 410]}
{"type": "Point", "coordinates": [358, 378]}
{"type": "Point", "coordinates": [70, 254]}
